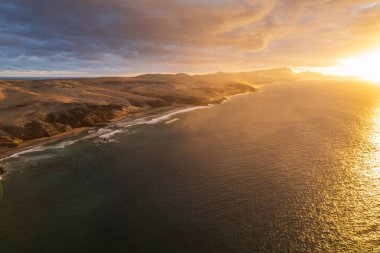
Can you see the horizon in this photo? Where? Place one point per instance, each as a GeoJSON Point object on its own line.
{"type": "Point", "coordinates": [125, 38]}
{"type": "Point", "coordinates": [174, 73]}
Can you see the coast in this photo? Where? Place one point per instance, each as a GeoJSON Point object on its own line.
{"type": "Point", "coordinates": [38, 111]}
{"type": "Point", "coordinates": [135, 115]}
{"type": "Point", "coordinates": [103, 132]}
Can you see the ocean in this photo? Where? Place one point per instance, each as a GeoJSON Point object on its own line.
{"type": "Point", "coordinates": [292, 168]}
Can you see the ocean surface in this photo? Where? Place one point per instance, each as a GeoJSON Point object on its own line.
{"type": "Point", "coordinates": [293, 168]}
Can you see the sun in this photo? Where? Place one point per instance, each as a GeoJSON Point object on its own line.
{"type": "Point", "coordinates": [365, 66]}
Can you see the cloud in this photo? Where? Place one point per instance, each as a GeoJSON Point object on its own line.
{"type": "Point", "coordinates": [118, 36]}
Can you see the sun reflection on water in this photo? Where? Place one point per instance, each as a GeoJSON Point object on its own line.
{"type": "Point", "coordinates": [368, 185]}
{"type": "Point", "coordinates": [374, 158]}
{"type": "Point", "coordinates": [350, 211]}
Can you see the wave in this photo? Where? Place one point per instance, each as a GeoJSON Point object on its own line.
{"type": "Point", "coordinates": [40, 148]}
{"type": "Point", "coordinates": [107, 132]}
{"type": "Point", "coordinates": [171, 121]}
{"type": "Point", "coordinates": [110, 134]}
{"type": "Point", "coordinates": [161, 118]}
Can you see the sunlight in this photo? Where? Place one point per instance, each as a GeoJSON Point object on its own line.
{"type": "Point", "coordinates": [364, 66]}
{"type": "Point", "coordinates": [374, 159]}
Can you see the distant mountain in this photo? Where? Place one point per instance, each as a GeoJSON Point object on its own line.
{"type": "Point", "coordinates": [32, 109]}
{"type": "Point", "coordinates": [251, 78]}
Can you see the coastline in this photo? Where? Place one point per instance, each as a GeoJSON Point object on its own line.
{"type": "Point", "coordinates": [68, 107]}
{"type": "Point", "coordinates": [167, 112]}
{"type": "Point", "coordinates": [26, 145]}
{"type": "Point", "coordinates": [154, 115]}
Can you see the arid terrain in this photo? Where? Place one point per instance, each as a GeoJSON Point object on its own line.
{"type": "Point", "coordinates": [43, 108]}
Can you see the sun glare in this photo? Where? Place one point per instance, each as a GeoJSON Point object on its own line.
{"type": "Point", "coordinates": [365, 66]}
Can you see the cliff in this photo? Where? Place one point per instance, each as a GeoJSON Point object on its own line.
{"type": "Point", "coordinates": [43, 108]}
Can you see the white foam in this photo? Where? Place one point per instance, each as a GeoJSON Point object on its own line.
{"type": "Point", "coordinates": [108, 132]}
{"type": "Point", "coordinates": [40, 148]}
{"type": "Point", "coordinates": [161, 118]}
{"type": "Point", "coordinates": [171, 121]}
{"type": "Point", "coordinates": [65, 144]}
{"type": "Point", "coordinates": [97, 133]}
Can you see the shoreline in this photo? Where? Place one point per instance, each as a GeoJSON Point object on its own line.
{"type": "Point", "coordinates": [157, 114]}
{"type": "Point", "coordinates": [5, 153]}
{"type": "Point", "coordinates": [64, 106]}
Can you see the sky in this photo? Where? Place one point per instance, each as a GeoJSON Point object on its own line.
{"type": "Point", "coordinates": [126, 37]}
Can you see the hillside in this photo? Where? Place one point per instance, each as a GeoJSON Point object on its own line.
{"type": "Point", "coordinates": [43, 108]}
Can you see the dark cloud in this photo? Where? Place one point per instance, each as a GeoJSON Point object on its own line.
{"type": "Point", "coordinates": [147, 35]}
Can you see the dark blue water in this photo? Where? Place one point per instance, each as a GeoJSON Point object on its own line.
{"type": "Point", "coordinates": [295, 168]}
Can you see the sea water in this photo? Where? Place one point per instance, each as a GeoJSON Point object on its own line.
{"type": "Point", "coordinates": [295, 168]}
